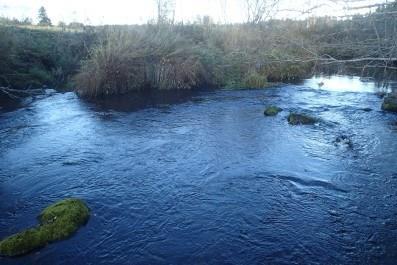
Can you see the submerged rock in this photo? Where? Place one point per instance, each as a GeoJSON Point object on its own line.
{"type": "Point", "coordinates": [344, 140]}
{"type": "Point", "coordinates": [390, 103]}
{"type": "Point", "coordinates": [366, 109]}
{"type": "Point", "coordinates": [58, 221]}
{"type": "Point", "coordinates": [381, 94]}
{"type": "Point", "coordinates": [301, 119]}
{"type": "Point", "coordinates": [272, 111]}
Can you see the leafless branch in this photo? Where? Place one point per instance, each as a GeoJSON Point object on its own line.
{"type": "Point", "coordinates": [19, 93]}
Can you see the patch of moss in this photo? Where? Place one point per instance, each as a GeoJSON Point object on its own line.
{"type": "Point", "coordinates": [390, 104]}
{"type": "Point", "coordinates": [301, 119]}
{"type": "Point", "coordinates": [272, 111]}
{"type": "Point", "coordinates": [57, 222]}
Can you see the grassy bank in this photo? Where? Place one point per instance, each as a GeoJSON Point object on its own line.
{"type": "Point", "coordinates": [31, 57]}
{"type": "Point", "coordinates": [111, 60]}
{"type": "Point", "coordinates": [168, 57]}
{"type": "Point", "coordinates": [100, 61]}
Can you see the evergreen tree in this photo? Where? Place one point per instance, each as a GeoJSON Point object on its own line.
{"type": "Point", "coordinates": [44, 20]}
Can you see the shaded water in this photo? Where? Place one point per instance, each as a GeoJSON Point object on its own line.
{"type": "Point", "coordinates": [209, 180]}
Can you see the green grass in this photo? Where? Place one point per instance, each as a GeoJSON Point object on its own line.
{"type": "Point", "coordinates": [32, 56]}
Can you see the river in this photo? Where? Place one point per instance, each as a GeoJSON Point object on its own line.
{"type": "Point", "coordinates": [206, 178]}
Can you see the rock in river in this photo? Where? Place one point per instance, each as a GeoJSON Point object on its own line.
{"type": "Point", "coordinates": [344, 140]}
{"type": "Point", "coordinates": [272, 111]}
{"type": "Point", "coordinates": [301, 119]}
{"type": "Point", "coordinates": [58, 221]}
{"type": "Point", "coordinates": [390, 103]}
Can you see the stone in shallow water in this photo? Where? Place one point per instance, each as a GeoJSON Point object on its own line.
{"type": "Point", "coordinates": [390, 103]}
{"type": "Point", "coordinates": [344, 141]}
{"type": "Point", "coordinates": [366, 109]}
{"type": "Point", "coordinates": [301, 119]}
{"type": "Point", "coordinates": [58, 221]}
{"type": "Point", "coordinates": [381, 94]}
{"type": "Point", "coordinates": [272, 111]}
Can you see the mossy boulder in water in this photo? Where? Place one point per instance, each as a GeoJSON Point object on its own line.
{"type": "Point", "coordinates": [272, 111]}
{"type": "Point", "coordinates": [301, 119]}
{"type": "Point", "coordinates": [57, 222]}
{"type": "Point", "coordinates": [390, 103]}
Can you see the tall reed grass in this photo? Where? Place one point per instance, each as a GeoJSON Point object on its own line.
{"type": "Point", "coordinates": [166, 57]}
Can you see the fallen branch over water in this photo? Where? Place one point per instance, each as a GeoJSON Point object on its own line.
{"type": "Point", "coordinates": [16, 94]}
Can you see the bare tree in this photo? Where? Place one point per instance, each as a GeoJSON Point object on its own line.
{"type": "Point", "coordinates": [223, 6]}
{"type": "Point", "coordinates": [165, 11]}
{"type": "Point", "coordinates": [260, 10]}
{"type": "Point", "coordinates": [360, 36]}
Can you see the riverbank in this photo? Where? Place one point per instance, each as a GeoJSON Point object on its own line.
{"type": "Point", "coordinates": [32, 57]}
{"type": "Point", "coordinates": [101, 61]}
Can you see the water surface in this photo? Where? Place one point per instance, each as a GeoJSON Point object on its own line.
{"type": "Point", "coordinates": [208, 179]}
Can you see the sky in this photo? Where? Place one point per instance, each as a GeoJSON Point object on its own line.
{"type": "Point", "coordinates": [102, 12]}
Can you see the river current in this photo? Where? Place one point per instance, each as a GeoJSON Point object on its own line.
{"type": "Point", "coordinates": [206, 178]}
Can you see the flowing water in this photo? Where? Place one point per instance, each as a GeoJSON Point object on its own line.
{"type": "Point", "coordinates": [208, 179]}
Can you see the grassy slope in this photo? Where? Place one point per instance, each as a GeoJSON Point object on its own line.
{"type": "Point", "coordinates": [32, 56]}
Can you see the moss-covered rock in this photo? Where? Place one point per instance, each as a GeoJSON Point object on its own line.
{"type": "Point", "coordinates": [390, 103]}
{"type": "Point", "coordinates": [272, 111]}
{"type": "Point", "coordinates": [301, 119]}
{"type": "Point", "coordinates": [57, 222]}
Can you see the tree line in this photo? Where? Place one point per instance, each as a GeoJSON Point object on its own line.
{"type": "Point", "coordinates": [43, 20]}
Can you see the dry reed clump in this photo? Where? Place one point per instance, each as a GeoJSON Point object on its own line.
{"type": "Point", "coordinates": [166, 57]}
{"type": "Point", "coordinates": [132, 60]}
{"type": "Point", "coordinates": [114, 66]}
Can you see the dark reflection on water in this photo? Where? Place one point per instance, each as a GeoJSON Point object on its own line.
{"type": "Point", "coordinates": [209, 180]}
{"type": "Point", "coordinates": [139, 100]}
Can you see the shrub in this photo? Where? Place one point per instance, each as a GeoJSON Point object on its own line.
{"type": "Point", "coordinates": [37, 57]}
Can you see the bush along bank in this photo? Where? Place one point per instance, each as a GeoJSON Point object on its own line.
{"type": "Point", "coordinates": [165, 57]}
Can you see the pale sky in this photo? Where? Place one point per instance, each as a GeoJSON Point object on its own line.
{"type": "Point", "coordinates": [101, 12]}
